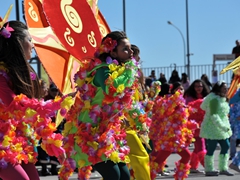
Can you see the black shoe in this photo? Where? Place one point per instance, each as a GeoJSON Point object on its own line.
{"type": "Point", "coordinates": [227, 173]}
{"type": "Point", "coordinates": [211, 173]}
{"type": "Point", "coordinates": [46, 173]}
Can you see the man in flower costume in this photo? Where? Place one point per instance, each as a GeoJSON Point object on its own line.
{"type": "Point", "coordinates": [171, 132]}
{"type": "Point", "coordinates": [216, 128]}
{"type": "Point", "coordinates": [95, 129]}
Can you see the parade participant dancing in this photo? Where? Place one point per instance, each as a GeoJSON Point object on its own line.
{"type": "Point", "coordinates": [23, 119]}
{"type": "Point", "coordinates": [96, 128]}
{"type": "Point", "coordinates": [194, 97]}
{"type": "Point", "coordinates": [171, 131]}
{"type": "Point", "coordinates": [215, 128]}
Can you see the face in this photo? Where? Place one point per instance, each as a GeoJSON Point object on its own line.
{"type": "Point", "coordinates": [179, 88]}
{"type": "Point", "coordinates": [44, 89]}
{"type": "Point", "coordinates": [223, 90]}
{"type": "Point", "coordinates": [137, 57]}
{"type": "Point", "coordinates": [198, 86]}
{"type": "Point", "coordinates": [123, 51]}
{"type": "Point", "coordinates": [27, 45]}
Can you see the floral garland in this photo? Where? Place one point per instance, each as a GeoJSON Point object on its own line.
{"type": "Point", "coordinates": [99, 141]}
{"type": "Point", "coordinates": [171, 130]}
{"type": "Point", "coordinates": [107, 45]}
{"type": "Point", "coordinates": [23, 123]}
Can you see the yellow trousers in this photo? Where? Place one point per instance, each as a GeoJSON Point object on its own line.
{"type": "Point", "coordinates": [138, 156]}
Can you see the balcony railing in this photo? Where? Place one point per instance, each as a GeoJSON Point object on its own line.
{"type": "Point", "coordinates": [196, 72]}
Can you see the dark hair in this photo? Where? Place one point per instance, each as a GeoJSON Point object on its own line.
{"type": "Point", "coordinates": [114, 35]}
{"type": "Point", "coordinates": [217, 87]}
{"type": "Point", "coordinates": [12, 54]}
{"type": "Point", "coordinates": [191, 89]}
{"type": "Point", "coordinates": [135, 49]}
{"type": "Point", "coordinates": [175, 85]}
{"type": "Point", "coordinates": [165, 88]}
{"type": "Point", "coordinates": [184, 78]}
{"type": "Point", "coordinates": [204, 77]}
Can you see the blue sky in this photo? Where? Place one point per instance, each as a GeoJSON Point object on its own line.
{"type": "Point", "coordinates": [213, 27]}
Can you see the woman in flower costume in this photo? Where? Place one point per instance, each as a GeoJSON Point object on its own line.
{"type": "Point", "coordinates": [234, 118]}
{"type": "Point", "coordinates": [23, 119]}
{"type": "Point", "coordinates": [215, 128]}
{"type": "Point", "coordinates": [171, 131]}
{"type": "Point", "coordinates": [194, 97]}
{"type": "Point", "coordinates": [95, 130]}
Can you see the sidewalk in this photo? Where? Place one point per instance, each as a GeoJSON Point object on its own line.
{"type": "Point", "coordinates": [171, 163]}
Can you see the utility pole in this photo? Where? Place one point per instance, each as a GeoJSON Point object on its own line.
{"type": "Point", "coordinates": [124, 16]}
{"type": "Point", "coordinates": [17, 10]}
{"type": "Point", "coordinates": [188, 53]}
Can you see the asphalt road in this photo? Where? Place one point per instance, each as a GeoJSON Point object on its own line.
{"type": "Point", "coordinates": [171, 163]}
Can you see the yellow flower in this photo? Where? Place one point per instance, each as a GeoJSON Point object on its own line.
{"type": "Point", "coordinates": [114, 75]}
{"type": "Point", "coordinates": [30, 158]}
{"type": "Point", "coordinates": [67, 102]}
{"type": "Point", "coordinates": [120, 88]}
{"type": "Point", "coordinates": [87, 105]}
{"type": "Point", "coordinates": [94, 130]}
{"type": "Point", "coordinates": [112, 67]}
{"type": "Point", "coordinates": [78, 139]}
{"type": "Point", "coordinates": [17, 147]}
{"type": "Point", "coordinates": [80, 82]}
{"type": "Point", "coordinates": [6, 142]}
{"type": "Point", "coordinates": [67, 127]}
{"type": "Point", "coordinates": [81, 163]}
{"type": "Point", "coordinates": [29, 113]}
{"type": "Point", "coordinates": [120, 70]}
{"type": "Point", "coordinates": [127, 160]}
{"type": "Point", "coordinates": [114, 157]}
{"type": "Point", "coordinates": [93, 144]}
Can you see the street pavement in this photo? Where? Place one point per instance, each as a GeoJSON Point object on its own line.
{"type": "Point", "coordinates": [171, 163]}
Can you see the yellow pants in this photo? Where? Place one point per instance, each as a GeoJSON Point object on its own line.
{"type": "Point", "coordinates": [138, 156]}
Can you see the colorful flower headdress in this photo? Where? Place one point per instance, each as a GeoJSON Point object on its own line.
{"type": "Point", "coordinates": [6, 31]}
{"type": "Point", "coordinates": [107, 46]}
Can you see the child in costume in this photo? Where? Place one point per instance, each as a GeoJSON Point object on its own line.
{"type": "Point", "coordinates": [235, 126]}
{"type": "Point", "coordinates": [215, 128]}
{"type": "Point", "coordinates": [171, 131]}
{"type": "Point", "coordinates": [23, 119]}
{"type": "Point", "coordinates": [194, 96]}
{"type": "Point", "coordinates": [95, 130]}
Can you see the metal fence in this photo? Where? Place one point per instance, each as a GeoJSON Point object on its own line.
{"type": "Point", "coordinates": [196, 72]}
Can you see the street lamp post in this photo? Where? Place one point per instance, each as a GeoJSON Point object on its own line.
{"type": "Point", "coordinates": [184, 45]}
{"type": "Point", "coordinates": [188, 53]}
{"type": "Point", "coordinates": [124, 16]}
{"type": "Point", "coordinates": [17, 10]}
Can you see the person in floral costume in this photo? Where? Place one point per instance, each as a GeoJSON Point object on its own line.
{"type": "Point", "coordinates": [171, 131]}
{"type": "Point", "coordinates": [95, 131]}
{"type": "Point", "coordinates": [24, 117]}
